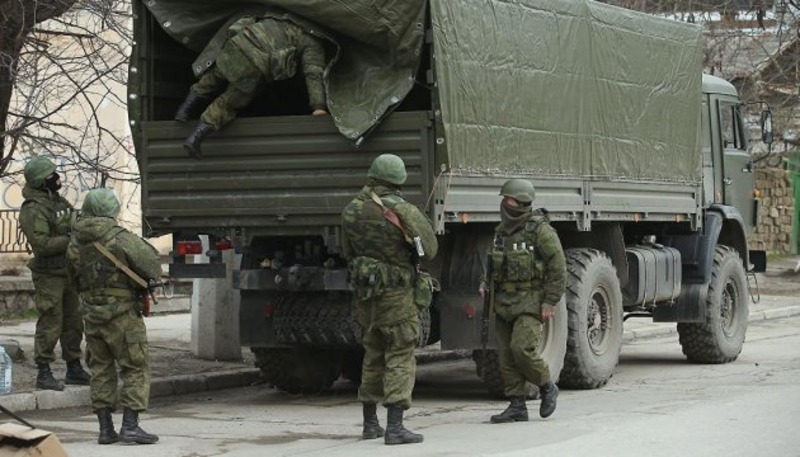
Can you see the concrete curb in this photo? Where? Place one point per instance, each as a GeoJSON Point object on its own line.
{"type": "Point", "coordinates": [78, 396]}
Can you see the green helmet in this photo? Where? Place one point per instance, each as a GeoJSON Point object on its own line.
{"type": "Point", "coordinates": [389, 168]}
{"type": "Point", "coordinates": [37, 170]}
{"type": "Point", "coordinates": [520, 190]}
{"type": "Point", "coordinates": [100, 202]}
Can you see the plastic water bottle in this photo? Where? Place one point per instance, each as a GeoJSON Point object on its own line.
{"type": "Point", "coordinates": [5, 371]}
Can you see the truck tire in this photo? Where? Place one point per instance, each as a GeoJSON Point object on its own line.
{"type": "Point", "coordinates": [298, 370]}
{"type": "Point", "coordinates": [594, 303]}
{"type": "Point", "coordinates": [316, 319]}
{"type": "Point", "coordinates": [720, 338]}
{"type": "Point", "coordinates": [552, 347]}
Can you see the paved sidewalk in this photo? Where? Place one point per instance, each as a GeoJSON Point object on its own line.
{"type": "Point", "coordinates": [175, 370]}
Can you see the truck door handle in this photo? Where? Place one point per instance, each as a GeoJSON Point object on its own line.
{"type": "Point", "coordinates": [727, 181]}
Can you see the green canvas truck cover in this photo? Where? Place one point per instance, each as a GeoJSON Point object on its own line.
{"type": "Point", "coordinates": [379, 43]}
{"type": "Point", "coordinates": [570, 88]}
{"type": "Point", "coordinates": [557, 88]}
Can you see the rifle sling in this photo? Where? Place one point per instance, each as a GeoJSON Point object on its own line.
{"type": "Point", "coordinates": [391, 216]}
{"type": "Point", "coordinates": [118, 263]}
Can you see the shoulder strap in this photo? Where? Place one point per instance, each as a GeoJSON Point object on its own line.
{"type": "Point", "coordinates": [118, 263]}
{"type": "Point", "coordinates": [391, 216]}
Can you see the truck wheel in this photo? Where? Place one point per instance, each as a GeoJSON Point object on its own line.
{"type": "Point", "coordinates": [594, 302]}
{"type": "Point", "coordinates": [424, 327]}
{"type": "Point", "coordinates": [316, 318]}
{"type": "Point", "coordinates": [487, 367]}
{"type": "Point", "coordinates": [298, 370]}
{"type": "Point", "coordinates": [552, 347]}
{"type": "Point", "coordinates": [720, 338]}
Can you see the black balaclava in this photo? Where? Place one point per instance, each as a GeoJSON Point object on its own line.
{"type": "Point", "coordinates": [513, 217]}
{"type": "Point", "coordinates": [51, 183]}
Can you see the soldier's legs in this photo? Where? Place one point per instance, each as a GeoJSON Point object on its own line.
{"type": "Point", "coordinates": [133, 362]}
{"type": "Point", "coordinates": [524, 343]}
{"type": "Point", "coordinates": [373, 368]}
{"type": "Point", "coordinates": [100, 341]}
{"type": "Point", "coordinates": [209, 84]}
{"type": "Point", "coordinates": [48, 292]}
{"type": "Point", "coordinates": [72, 325]}
{"type": "Point", "coordinates": [398, 382]}
{"type": "Point", "coordinates": [236, 96]}
{"type": "Point", "coordinates": [513, 380]}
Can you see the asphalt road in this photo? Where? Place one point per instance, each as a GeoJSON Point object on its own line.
{"type": "Point", "coordinates": [656, 404]}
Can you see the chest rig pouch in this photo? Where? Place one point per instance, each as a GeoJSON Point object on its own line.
{"type": "Point", "coordinates": [515, 264]}
{"type": "Point", "coordinates": [368, 276]}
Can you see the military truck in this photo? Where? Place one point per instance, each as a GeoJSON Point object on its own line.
{"type": "Point", "coordinates": [639, 159]}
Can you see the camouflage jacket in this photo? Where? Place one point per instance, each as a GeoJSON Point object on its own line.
{"type": "Point", "coordinates": [277, 47]}
{"type": "Point", "coordinates": [528, 269]}
{"type": "Point", "coordinates": [369, 240]}
{"type": "Point", "coordinates": [45, 220]}
{"type": "Point", "coordinates": [104, 289]}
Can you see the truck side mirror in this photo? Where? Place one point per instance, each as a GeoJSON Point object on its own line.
{"type": "Point", "coordinates": [766, 126]}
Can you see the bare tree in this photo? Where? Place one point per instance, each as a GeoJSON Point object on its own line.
{"type": "Point", "coordinates": [62, 63]}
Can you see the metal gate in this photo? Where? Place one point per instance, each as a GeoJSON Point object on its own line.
{"type": "Point", "coordinates": [11, 237]}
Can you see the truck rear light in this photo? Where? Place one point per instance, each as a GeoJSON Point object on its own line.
{"type": "Point", "coordinates": [223, 245]}
{"type": "Point", "coordinates": [469, 310]}
{"type": "Point", "coordinates": [189, 247]}
{"type": "Point", "coordinates": [269, 310]}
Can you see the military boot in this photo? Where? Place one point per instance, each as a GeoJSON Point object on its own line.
{"type": "Point", "coordinates": [76, 374]}
{"type": "Point", "coordinates": [549, 393]}
{"type": "Point", "coordinates": [107, 433]}
{"type": "Point", "coordinates": [517, 411]}
{"type": "Point", "coordinates": [189, 107]}
{"type": "Point", "coordinates": [192, 143]}
{"type": "Point", "coordinates": [130, 432]}
{"type": "Point", "coordinates": [395, 432]}
{"type": "Point", "coordinates": [45, 379]}
{"type": "Point", "coordinates": [372, 428]}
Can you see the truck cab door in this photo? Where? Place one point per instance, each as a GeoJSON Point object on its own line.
{"type": "Point", "coordinates": [737, 169]}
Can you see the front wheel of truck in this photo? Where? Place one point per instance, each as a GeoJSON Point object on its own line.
{"type": "Point", "coordinates": [594, 303]}
{"type": "Point", "coordinates": [720, 338]}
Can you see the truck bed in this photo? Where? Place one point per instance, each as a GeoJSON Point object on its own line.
{"type": "Point", "coordinates": [271, 176]}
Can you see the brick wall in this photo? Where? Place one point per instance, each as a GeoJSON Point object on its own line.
{"type": "Point", "coordinates": [776, 214]}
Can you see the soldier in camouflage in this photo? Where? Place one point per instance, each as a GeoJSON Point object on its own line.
{"type": "Point", "coordinates": [45, 220]}
{"type": "Point", "coordinates": [379, 229]}
{"type": "Point", "coordinates": [257, 52]}
{"type": "Point", "coordinates": [528, 274]}
{"type": "Point", "coordinates": [112, 308]}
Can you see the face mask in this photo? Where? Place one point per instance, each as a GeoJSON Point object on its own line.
{"type": "Point", "coordinates": [53, 182]}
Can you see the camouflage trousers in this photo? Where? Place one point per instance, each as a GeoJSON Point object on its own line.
{"type": "Point", "coordinates": [120, 343]}
{"type": "Point", "coordinates": [517, 343]}
{"type": "Point", "coordinates": [59, 318]}
{"type": "Point", "coordinates": [389, 368]}
{"type": "Point", "coordinates": [241, 82]}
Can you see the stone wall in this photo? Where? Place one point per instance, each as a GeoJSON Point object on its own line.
{"type": "Point", "coordinates": [776, 213]}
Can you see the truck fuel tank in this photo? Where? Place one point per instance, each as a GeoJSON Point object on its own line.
{"type": "Point", "coordinates": [654, 275]}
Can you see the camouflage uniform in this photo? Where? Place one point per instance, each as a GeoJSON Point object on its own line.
{"type": "Point", "coordinates": [45, 220]}
{"type": "Point", "coordinates": [257, 53]}
{"type": "Point", "coordinates": [111, 304]}
{"type": "Point", "coordinates": [523, 287]}
{"type": "Point", "coordinates": [529, 275]}
{"type": "Point", "coordinates": [377, 249]}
